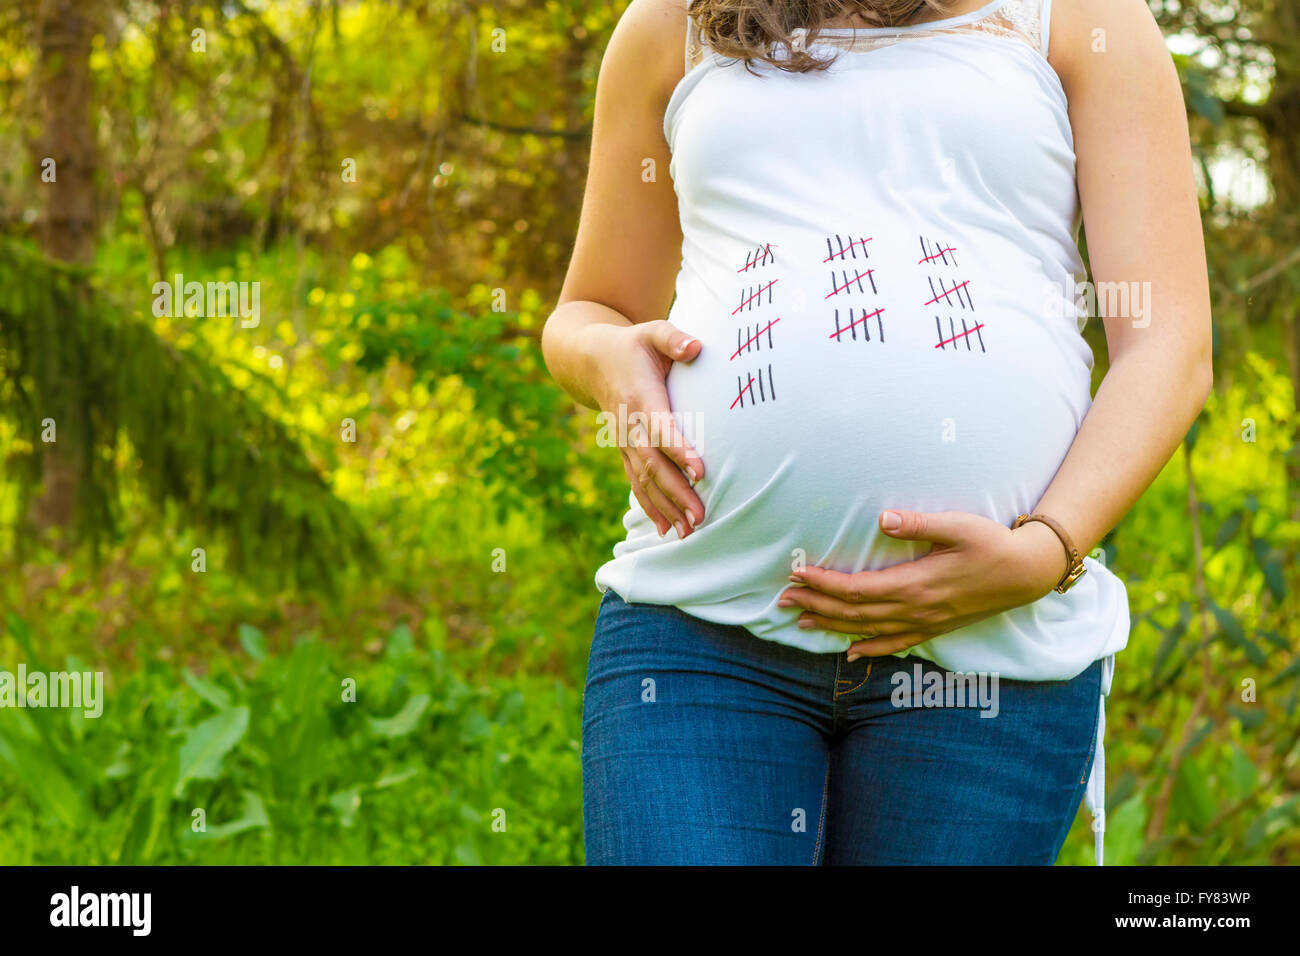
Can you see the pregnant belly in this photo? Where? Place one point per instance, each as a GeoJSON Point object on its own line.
{"type": "Point", "coordinates": [805, 444]}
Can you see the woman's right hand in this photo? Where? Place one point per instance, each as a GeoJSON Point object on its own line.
{"type": "Point", "coordinates": [633, 361]}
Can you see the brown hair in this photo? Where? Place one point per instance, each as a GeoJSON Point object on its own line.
{"type": "Point", "coordinates": [752, 30]}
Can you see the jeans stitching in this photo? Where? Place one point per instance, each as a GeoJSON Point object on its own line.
{"type": "Point", "coordinates": [1079, 788]}
{"type": "Point", "coordinates": [859, 684]}
{"type": "Point", "coordinates": [821, 818]}
{"type": "Point", "coordinates": [1092, 747]}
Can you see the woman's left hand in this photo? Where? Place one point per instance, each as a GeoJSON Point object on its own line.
{"type": "Point", "coordinates": [976, 568]}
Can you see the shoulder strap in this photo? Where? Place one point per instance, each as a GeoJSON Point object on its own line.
{"type": "Point", "coordinates": [1026, 19]}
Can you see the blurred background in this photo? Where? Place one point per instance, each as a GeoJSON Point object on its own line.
{"type": "Point", "coordinates": [333, 554]}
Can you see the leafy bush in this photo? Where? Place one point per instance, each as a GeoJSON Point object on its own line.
{"type": "Point", "coordinates": [423, 768]}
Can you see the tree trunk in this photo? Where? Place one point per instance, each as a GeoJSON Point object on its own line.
{"type": "Point", "coordinates": [68, 229]}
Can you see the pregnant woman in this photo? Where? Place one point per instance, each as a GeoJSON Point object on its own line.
{"type": "Point", "coordinates": [851, 621]}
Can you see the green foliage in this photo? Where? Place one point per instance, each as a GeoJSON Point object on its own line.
{"type": "Point", "coordinates": [470, 473]}
{"type": "Point", "coordinates": [423, 767]}
{"type": "Point", "coordinates": [1202, 718]}
{"type": "Point", "coordinates": [195, 439]}
{"type": "Point", "coordinates": [532, 449]}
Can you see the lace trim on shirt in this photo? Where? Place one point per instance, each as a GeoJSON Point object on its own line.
{"type": "Point", "coordinates": [1013, 19]}
{"type": "Point", "coordinates": [694, 45]}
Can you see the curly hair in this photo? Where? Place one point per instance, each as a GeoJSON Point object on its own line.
{"type": "Point", "coordinates": [754, 30]}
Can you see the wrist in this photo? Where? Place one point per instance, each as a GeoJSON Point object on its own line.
{"type": "Point", "coordinates": [594, 348]}
{"type": "Point", "coordinates": [1043, 554]}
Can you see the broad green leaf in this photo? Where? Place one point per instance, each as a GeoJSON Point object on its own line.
{"type": "Point", "coordinates": [1124, 832]}
{"type": "Point", "coordinates": [207, 744]}
{"type": "Point", "coordinates": [395, 777]}
{"type": "Point", "coordinates": [401, 643]}
{"type": "Point", "coordinates": [1192, 801]}
{"type": "Point", "coordinates": [252, 817]}
{"type": "Point", "coordinates": [1271, 567]}
{"type": "Point", "coordinates": [253, 641]}
{"type": "Point", "coordinates": [1241, 776]}
{"type": "Point", "coordinates": [207, 689]}
{"type": "Point", "coordinates": [404, 721]}
{"type": "Point", "coordinates": [39, 772]}
{"type": "Point", "coordinates": [1231, 525]}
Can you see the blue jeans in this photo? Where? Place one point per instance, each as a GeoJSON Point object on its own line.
{"type": "Point", "coordinates": [702, 744]}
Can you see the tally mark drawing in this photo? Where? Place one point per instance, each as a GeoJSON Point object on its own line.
{"type": "Point", "coordinates": [751, 297]}
{"type": "Point", "coordinates": [951, 292]}
{"type": "Point", "coordinates": [759, 257]}
{"type": "Point", "coordinates": [958, 293]}
{"type": "Point", "coordinates": [851, 281]}
{"type": "Point", "coordinates": [954, 338]}
{"type": "Point", "coordinates": [753, 388]}
{"type": "Point", "coordinates": [851, 329]}
{"type": "Point", "coordinates": [750, 338]}
{"type": "Point", "coordinates": [838, 249]}
{"type": "Point", "coordinates": [939, 252]}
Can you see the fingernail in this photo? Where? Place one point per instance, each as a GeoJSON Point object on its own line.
{"type": "Point", "coordinates": [796, 579]}
{"type": "Point", "coordinates": [785, 602]}
{"type": "Point", "coordinates": [662, 531]}
{"type": "Point", "coordinates": [853, 656]}
{"type": "Point", "coordinates": [681, 529]}
{"type": "Point", "coordinates": [691, 476]}
{"type": "Point", "coordinates": [681, 350]}
{"type": "Point", "coordinates": [891, 521]}
{"type": "Point", "coordinates": [690, 519]}
{"type": "Point", "coordinates": [805, 624]}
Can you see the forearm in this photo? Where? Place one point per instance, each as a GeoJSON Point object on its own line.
{"type": "Point", "coordinates": [1147, 401]}
{"type": "Point", "coordinates": [567, 347]}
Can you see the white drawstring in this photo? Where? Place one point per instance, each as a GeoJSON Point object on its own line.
{"type": "Point", "coordinates": [1095, 793]}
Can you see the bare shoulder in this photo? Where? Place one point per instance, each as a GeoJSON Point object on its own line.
{"type": "Point", "coordinates": [647, 47]}
{"type": "Point", "coordinates": [1118, 37]}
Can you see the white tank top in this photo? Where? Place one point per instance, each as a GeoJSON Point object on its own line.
{"type": "Point", "coordinates": [880, 262]}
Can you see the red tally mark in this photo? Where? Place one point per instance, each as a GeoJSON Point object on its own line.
{"type": "Point", "coordinates": [754, 341]}
{"type": "Point", "coordinates": [960, 293]}
{"type": "Point", "coordinates": [930, 253]}
{"type": "Point", "coordinates": [752, 298]}
{"type": "Point", "coordinates": [954, 293]}
{"type": "Point", "coordinates": [852, 328]}
{"type": "Point", "coordinates": [753, 388]}
{"type": "Point", "coordinates": [759, 257]}
{"type": "Point", "coordinates": [838, 249]}
{"type": "Point", "coordinates": [850, 281]}
{"type": "Point", "coordinates": [847, 283]}
{"type": "Point", "coordinates": [956, 338]}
